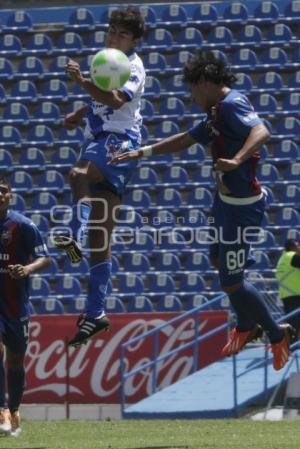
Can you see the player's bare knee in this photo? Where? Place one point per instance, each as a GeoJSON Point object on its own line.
{"type": "Point", "coordinates": [230, 289]}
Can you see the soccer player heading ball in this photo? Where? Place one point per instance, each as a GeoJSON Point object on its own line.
{"type": "Point", "coordinates": [235, 133]}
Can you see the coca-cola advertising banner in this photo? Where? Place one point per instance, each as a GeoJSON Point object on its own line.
{"type": "Point", "coordinates": [92, 371]}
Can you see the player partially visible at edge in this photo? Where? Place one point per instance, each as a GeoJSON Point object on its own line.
{"type": "Point", "coordinates": [235, 133]}
{"type": "Point", "coordinates": [22, 252]}
{"type": "Point", "coordinates": [113, 124]}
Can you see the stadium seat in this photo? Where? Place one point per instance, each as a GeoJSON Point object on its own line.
{"type": "Point", "coordinates": [32, 159]}
{"type": "Point", "coordinates": [51, 306]}
{"type": "Point", "coordinates": [205, 15]}
{"type": "Point", "coordinates": [167, 262]}
{"type": "Point", "coordinates": [43, 202]}
{"type": "Point", "coordinates": [69, 43]}
{"type": "Point", "coordinates": [161, 283]}
{"type": "Point", "coordinates": [189, 39]}
{"type": "Point", "coordinates": [2, 95]}
{"type": "Point", "coordinates": [169, 198]}
{"type": "Point", "coordinates": [172, 240]}
{"type": "Point", "coordinates": [6, 69]}
{"type": "Point", "coordinates": [150, 16]}
{"type": "Point", "coordinates": [174, 16]}
{"type": "Point", "coordinates": [161, 218]}
{"type": "Point", "coordinates": [113, 304]}
{"type": "Point", "coordinates": [292, 12]}
{"type": "Point", "coordinates": [266, 240]}
{"type": "Point", "coordinates": [295, 58]}
{"type": "Point", "coordinates": [196, 301]}
{"type": "Point", "coordinates": [279, 34]}
{"type": "Point", "coordinates": [266, 12]}
{"type": "Point", "coordinates": [194, 154]}
{"type": "Point", "coordinates": [244, 83]}
{"type": "Point", "coordinates": [41, 222]}
{"type": "Point", "coordinates": [41, 136]}
{"type": "Point", "coordinates": [138, 198]}
{"type": "Point", "coordinates": [17, 202]}
{"type": "Point", "coordinates": [6, 161]}
{"type": "Point", "coordinates": [31, 67]}
{"type": "Point", "coordinates": [77, 305]}
{"type": "Point", "coordinates": [57, 67]}
{"type": "Point", "coordinates": [176, 86]}
{"type": "Point", "coordinates": [291, 103]}
{"type": "Point", "coordinates": [68, 286]}
{"type": "Point", "coordinates": [95, 41]}
{"type": "Point", "coordinates": [262, 260]}
{"type": "Point", "coordinates": [144, 134]}
{"type": "Point", "coordinates": [152, 87]}
{"type": "Point", "coordinates": [81, 19]}
{"type": "Point", "coordinates": [136, 263]}
{"type": "Point", "coordinates": [51, 181]}
{"type": "Point", "coordinates": [289, 127]}
{"type": "Point", "coordinates": [267, 173]}
{"type": "Point", "coordinates": [169, 303]}
{"type": "Point", "coordinates": [294, 80]}
{"type": "Point", "coordinates": [290, 195]}
{"type": "Point", "coordinates": [140, 303]}
{"type": "Point", "coordinates": [51, 271]}
{"type": "Point", "coordinates": [265, 104]}
{"type": "Point", "coordinates": [180, 58]}
{"type": "Point", "coordinates": [287, 217]}
{"type": "Point", "coordinates": [244, 59]}
{"type": "Point", "coordinates": [47, 113]}
{"type": "Point", "coordinates": [274, 57]}
{"type": "Point", "coordinates": [154, 63]}
{"type": "Point", "coordinates": [10, 137]}
{"type": "Point", "coordinates": [129, 217]}
{"type": "Point", "coordinates": [270, 81]}
{"type": "Point", "coordinates": [77, 94]}
{"type": "Point", "coordinates": [197, 261]}
{"type": "Point", "coordinates": [203, 175]}
{"type": "Point", "coordinates": [176, 176]}
{"type": "Point", "coordinates": [21, 181]}
{"type": "Point", "coordinates": [194, 218]}
{"type": "Point", "coordinates": [289, 234]}
{"type": "Point", "coordinates": [115, 264]}
{"type": "Point", "coordinates": [15, 114]}
{"type": "Point", "coordinates": [19, 22]}
{"type": "Point", "coordinates": [130, 283]}
{"type": "Point", "coordinates": [24, 91]}
{"type": "Point", "coordinates": [249, 35]}
{"type": "Point", "coordinates": [160, 40]}
{"type": "Point", "coordinates": [200, 196]}
{"type": "Point", "coordinates": [191, 282]}
{"type": "Point", "coordinates": [236, 13]}
{"type": "Point", "coordinates": [172, 108]}
{"type": "Point", "coordinates": [166, 128]}
{"type": "Point", "coordinates": [220, 37]}
{"type": "Point", "coordinates": [55, 90]}
{"type": "Point", "coordinates": [142, 242]}
{"type": "Point", "coordinates": [292, 173]}
{"type": "Point", "coordinates": [144, 177]}
{"type": "Point", "coordinates": [70, 137]}
{"type": "Point", "coordinates": [147, 109]}
{"type": "Point", "coordinates": [39, 44]}
{"type": "Point", "coordinates": [117, 242]}
{"type": "Point", "coordinates": [39, 287]}
{"type": "Point", "coordinates": [10, 45]}
{"type": "Point", "coordinates": [63, 159]}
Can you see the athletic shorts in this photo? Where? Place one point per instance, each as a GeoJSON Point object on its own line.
{"type": "Point", "coordinates": [234, 229]}
{"type": "Point", "coordinates": [14, 333]}
{"type": "Point", "coordinates": [102, 150]}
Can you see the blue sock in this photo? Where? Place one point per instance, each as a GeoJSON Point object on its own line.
{"type": "Point", "coordinates": [98, 282]}
{"type": "Point", "coordinates": [80, 217]}
{"type": "Point", "coordinates": [16, 385]}
{"type": "Point", "coordinates": [254, 310]}
{"type": "Point", "coordinates": [2, 383]}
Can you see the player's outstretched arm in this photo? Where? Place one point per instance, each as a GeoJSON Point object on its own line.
{"type": "Point", "coordinates": [19, 271]}
{"type": "Point", "coordinates": [172, 144]}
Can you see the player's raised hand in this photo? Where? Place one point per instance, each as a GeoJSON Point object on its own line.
{"type": "Point", "coordinates": [128, 156]}
{"type": "Point", "coordinates": [73, 69]}
{"type": "Point", "coordinates": [18, 271]}
{"type": "Point", "coordinates": [226, 164]}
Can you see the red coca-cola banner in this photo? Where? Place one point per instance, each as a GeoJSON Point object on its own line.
{"type": "Point", "coordinates": [93, 373]}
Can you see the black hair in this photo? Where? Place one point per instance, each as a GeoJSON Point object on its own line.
{"type": "Point", "coordinates": [130, 18]}
{"type": "Point", "coordinates": [205, 66]}
{"type": "Point", "coordinates": [5, 182]}
{"type": "Point", "coordinates": [289, 244]}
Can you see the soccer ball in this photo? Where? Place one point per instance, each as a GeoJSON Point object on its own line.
{"type": "Point", "coordinates": [110, 69]}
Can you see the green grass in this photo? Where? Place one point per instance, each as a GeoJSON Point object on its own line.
{"type": "Point", "coordinates": [175, 434]}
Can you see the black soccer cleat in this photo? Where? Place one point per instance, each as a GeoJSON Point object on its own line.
{"type": "Point", "coordinates": [89, 327]}
{"type": "Point", "coordinates": [70, 246]}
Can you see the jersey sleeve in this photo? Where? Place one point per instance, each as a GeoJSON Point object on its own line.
{"type": "Point", "coordinates": [201, 133]}
{"type": "Point", "coordinates": [239, 115]}
{"type": "Point", "coordinates": [33, 240]}
{"type": "Point", "coordinates": [135, 81]}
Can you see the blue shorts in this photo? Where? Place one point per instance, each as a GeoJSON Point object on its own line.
{"type": "Point", "coordinates": [102, 150]}
{"type": "Point", "coordinates": [14, 333]}
{"type": "Point", "coordinates": [233, 229]}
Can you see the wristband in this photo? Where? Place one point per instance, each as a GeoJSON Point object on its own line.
{"type": "Point", "coordinates": [147, 151]}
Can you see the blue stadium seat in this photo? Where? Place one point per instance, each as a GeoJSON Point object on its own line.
{"type": "Point", "coordinates": [197, 261]}
{"type": "Point", "coordinates": [136, 263]}
{"type": "Point", "coordinates": [236, 13]}
{"type": "Point", "coordinates": [115, 264]}
{"type": "Point", "coordinates": [196, 301]}
{"type": "Point", "coordinates": [51, 181]}
{"type": "Point", "coordinates": [167, 262]}
{"type": "Point", "coordinates": [205, 15]}
{"type": "Point", "coordinates": [2, 95]}
{"type": "Point", "coordinates": [70, 43]}
{"type": "Point", "coordinates": [266, 12]}
{"type": "Point", "coordinates": [152, 86]}
{"type": "Point", "coordinates": [295, 57]}
{"type": "Point", "coordinates": [68, 286]}
{"type": "Point", "coordinates": [194, 218]}
{"type": "Point", "coordinates": [220, 37]}
{"type": "Point", "coordinates": [31, 67]}
{"type": "Point", "coordinates": [17, 202]}
{"type": "Point", "coordinates": [39, 287]}
{"type": "Point", "coordinates": [63, 159]}
{"type": "Point", "coordinates": [174, 15]}
{"type": "Point", "coordinates": [169, 198]}
{"type": "Point", "coordinates": [244, 59]}
{"type": "Point", "coordinates": [180, 58]}
{"type": "Point", "coordinates": [203, 175]}
{"type": "Point", "coordinates": [144, 134]}
{"type": "Point", "coordinates": [130, 283]}
{"type": "Point", "coordinates": [51, 306]}
{"type": "Point", "coordinates": [220, 55]}
{"type": "Point", "coordinates": [191, 282]}
{"type": "Point", "coordinates": [41, 222]}
{"type": "Point", "coordinates": [169, 303]}
{"type": "Point", "coordinates": [149, 14]}
{"type": "Point", "coordinates": [265, 104]}
{"type": "Point", "coordinates": [129, 217]}
{"type": "Point", "coordinates": [292, 172]}
{"type": "Point", "coordinates": [19, 22]}
{"type": "Point", "coordinates": [172, 241]}
{"type": "Point", "coordinates": [41, 136]}
{"type": "Point", "coordinates": [161, 218]}
{"type": "Point", "coordinates": [51, 271]}
{"type": "Point", "coordinates": [39, 44]}
{"type": "Point", "coordinates": [172, 108]}
{"type": "Point", "coordinates": [15, 113]}
{"type": "Point", "coordinates": [47, 113]}
{"type": "Point", "coordinates": [291, 103]}
{"type": "Point", "coordinates": [189, 39]}
{"type": "Point", "coordinates": [43, 202]}
{"type": "Point", "coordinates": [286, 150]}
{"type": "Point", "coordinates": [138, 198]}
{"type": "Point", "coordinates": [266, 240]}
{"type": "Point", "coordinates": [6, 69]}
{"type": "Point", "coordinates": [267, 173]}
{"type": "Point", "coordinates": [161, 283]}
{"type": "Point", "coordinates": [117, 242]}
{"type": "Point", "coordinates": [55, 90]}
{"type": "Point", "coordinates": [280, 34]}
{"type": "Point", "coordinates": [200, 196]}
{"type": "Point", "coordinates": [289, 234]}
{"type": "Point", "coordinates": [113, 304]}
{"type": "Point", "coordinates": [270, 81]}
{"type": "Point", "coordinates": [244, 83]}
{"type": "Point", "coordinates": [292, 12]}
{"type": "Point", "coordinates": [10, 137]}
{"type": "Point", "coordinates": [294, 80]}
{"type": "Point", "coordinates": [289, 127]}
{"type": "Point", "coordinates": [81, 19]}
{"type": "Point", "coordinates": [140, 303]}
{"type": "Point", "coordinates": [147, 109]}
{"type": "Point", "coordinates": [57, 67]}
{"type": "Point", "coordinates": [159, 39]}
{"type": "Point", "coordinates": [274, 57]}
{"type": "Point", "coordinates": [249, 35]}
{"type": "Point", "coordinates": [194, 153]}
{"type": "Point", "coordinates": [6, 161]}
{"type": "Point", "coordinates": [142, 242]}
{"type": "Point", "coordinates": [287, 217]}
{"type": "Point", "coordinates": [21, 181]}
{"type": "Point", "coordinates": [176, 86]}
{"type": "Point", "coordinates": [24, 91]}
{"type": "Point", "coordinates": [32, 159]}
{"type": "Point", "coordinates": [155, 63]}
{"type": "Point", "coordinates": [176, 176]}
{"type": "Point", "coordinates": [290, 195]}
{"type": "Point", "coordinates": [78, 93]}
{"type": "Point", "coordinates": [78, 305]}
{"type": "Point", "coordinates": [95, 41]}
{"type": "Point", "coordinates": [70, 137]}
{"type": "Point", "coordinates": [166, 129]}
{"type": "Point", "coordinates": [262, 260]}
{"type": "Point", "coordinates": [10, 45]}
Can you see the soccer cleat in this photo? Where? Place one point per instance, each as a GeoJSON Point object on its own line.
{"type": "Point", "coordinates": [15, 420]}
{"type": "Point", "coordinates": [281, 350]}
{"type": "Point", "coordinates": [70, 246]}
{"type": "Point", "coordinates": [5, 424]}
{"type": "Point", "coordinates": [89, 327]}
{"type": "Point", "coordinates": [238, 340]}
